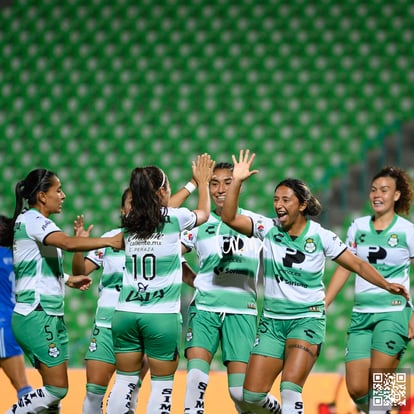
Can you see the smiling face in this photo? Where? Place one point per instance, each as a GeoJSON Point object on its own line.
{"type": "Point", "coordinates": [288, 208]}
{"type": "Point", "coordinates": [50, 202]}
{"type": "Point", "coordinates": [383, 195]}
{"type": "Point", "coordinates": [219, 184]}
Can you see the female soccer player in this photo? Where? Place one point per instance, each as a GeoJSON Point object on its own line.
{"type": "Point", "coordinates": [147, 318]}
{"type": "Point", "coordinates": [37, 320]}
{"type": "Point", "coordinates": [381, 324]}
{"type": "Point", "coordinates": [225, 300]}
{"type": "Point", "coordinates": [292, 325]}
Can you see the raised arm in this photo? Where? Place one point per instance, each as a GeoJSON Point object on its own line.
{"type": "Point", "coordinates": [355, 264]}
{"type": "Point", "coordinates": [202, 172]}
{"type": "Point", "coordinates": [241, 171]}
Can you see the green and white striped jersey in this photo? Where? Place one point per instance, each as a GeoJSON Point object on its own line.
{"type": "Point", "coordinates": [38, 268]}
{"type": "Point", "coordinates": [390, 252]}
{"type": "Point", "coordinates": [112, 263]}
{"type": "Point", "coordinates": [229, 264]}
{"type": "Point", "coordinates": [294, 268]}
{"type": "Point", "coordinates": [153, 276]}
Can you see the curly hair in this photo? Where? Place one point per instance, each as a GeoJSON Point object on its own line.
{"type": "Point", "coordinates": [403, 184]}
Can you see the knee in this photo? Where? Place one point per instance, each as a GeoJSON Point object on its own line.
{"type": "Point", "coordinates": [357, 390]}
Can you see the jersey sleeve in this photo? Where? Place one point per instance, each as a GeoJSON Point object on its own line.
{"type": "Point", "coordinates": [261, 225]}
{"type": "Point", "coordinates": [333, 245]}
{"type": "Point", "coordinates": [96, 256]}
{"type": "Point", "coordinates": [188, 238]}
{"type": "Point", "coordinates": [187, 219]}
{"type": "Point", "coordinates": [41, 227]}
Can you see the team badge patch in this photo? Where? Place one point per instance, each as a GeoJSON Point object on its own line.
{"type": "Point", "coordinates": [310, 246]}
{"type": "Point", "coordinates": [189, 335]}
{"type": "Point", "coordinates": [53, 350]}
{"type": "Point", "coordinates": [393, 240]}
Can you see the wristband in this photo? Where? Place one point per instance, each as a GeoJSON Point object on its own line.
{"type": "Point", "coordinates": [65, 277]}
{"type": "Point", "coordinates": [190, 187]}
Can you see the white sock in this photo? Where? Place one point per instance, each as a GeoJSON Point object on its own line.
{"type": "Point", "coordinates": [35, 401]}
{"type": "Point", "coordinates": [120, 399]}
{"type": "Point", "coordinates": [134, 398]}
{"type": "Point", "coordinates": [92, 404]}
{"type": "Point", "coordinates": [160, 399]}
{"type": "Point", "coordinates": [292, 402]}
{"type": "Point", "coordinates": [236, 392]}
{"type": "Point", "coordinates": [261, 402]}
{"type": "Point", "coordinates": [196, 385]}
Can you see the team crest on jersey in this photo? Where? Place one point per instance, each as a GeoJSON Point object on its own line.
{"type": "Point", "coordinates": [310, 246]}
{"type": "Point", "coordinates": [189, 335]}
{"type": "Point", "coordinates": [53, 350]}
{"type": "Point", "coordinates": [93, 346]}
{"type": "Point", "coordinates": [393, 240]}
{"type": "Point", "coordinates": [99, 253]}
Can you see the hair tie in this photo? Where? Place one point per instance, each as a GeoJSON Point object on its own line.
{"type": "Point", "coordinates": [163, 179]}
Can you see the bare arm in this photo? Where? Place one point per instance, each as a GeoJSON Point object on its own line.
{"type": "Point", "coordinates": [81, 265]}
{"type": "Point", "coordinates": [188, 274]}
{"type": "Point", "coordinates": [336, 283]}
{"type": "Point", "coordinates": [75, 243]}
{"type": "Point", "coordinates": [178, 198]}
{"type": "Point", "coordinates": [241, 171]}
{"type": "Point", "coordinates": [202, 172]}
{"type": "Point", "coordinates": [355, 264]}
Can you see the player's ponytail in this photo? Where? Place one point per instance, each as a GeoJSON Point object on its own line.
{"type": "Point", "coordinates": [147, 214]}
{"type": "Point", "coordinates": [37, 180]}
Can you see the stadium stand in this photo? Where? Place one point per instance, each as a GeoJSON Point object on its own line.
{"type": "Point", "coordinates": [92, 89]}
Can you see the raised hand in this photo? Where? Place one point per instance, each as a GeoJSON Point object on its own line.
{"type": "Point", "coordinates": [242, 167]}
{"type": "Point", "coordinates": [79, 229]}
{"type": "Point", "coordinates": [203, 168]}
